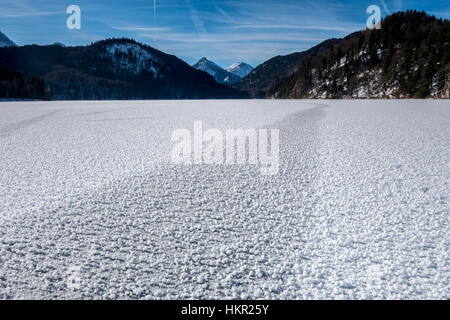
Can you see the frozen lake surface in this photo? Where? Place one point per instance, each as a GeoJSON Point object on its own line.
{"type": "Point", "coordinates": [359, 209]}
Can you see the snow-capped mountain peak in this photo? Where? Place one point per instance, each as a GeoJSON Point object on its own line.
{"type": "Point", "coordinates": [240, 69]}
{"type": "Point", "coordinates": [217, 72]}
{"type": "Point", "coordinates": [208, 66]}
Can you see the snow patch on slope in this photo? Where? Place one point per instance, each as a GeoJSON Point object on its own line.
{"type": "Point", "coordinates": [240, 69]}
{"type": "Point", "coordinates": [218, 73]}
{"type": "Point", "coordinates": [132, 58]}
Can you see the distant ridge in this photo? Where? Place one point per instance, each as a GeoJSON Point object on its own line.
{"type": "Point", "coordinates": [240, 69]}
{"type": "Point", "coordinates": [408, 58]}
{"type": "Point", "coordinates": [218, 73]}
{"type": "Point", "coordinates": [109, 69]}
{"type": "Point", "coordinates": [5, 41]}
{"type": "Point", "coordinates": [267, 74]}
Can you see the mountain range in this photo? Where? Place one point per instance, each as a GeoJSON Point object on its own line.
{"type": "Point", "coordinates": [240, 69]}
{"type": "Point", "coordinates": [108, 69]}
{"type": "Point", "coordinates": [231, 75]}
{"type": "Point", "coordinates": [409, 57]}
{"type": "Point", "coordinates": [270, 72]}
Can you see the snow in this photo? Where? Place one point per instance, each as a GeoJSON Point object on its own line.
{"type": "Point", "coordinates": [240, 69]}
{"type": "Point", "coordinates": [359, 208]}
{"type": "Point", "coordinates": [207, 66]}
{"type": "Point", "coordinates": [141, 59]}
{"type": "Point", "coordinates": [218, 73]}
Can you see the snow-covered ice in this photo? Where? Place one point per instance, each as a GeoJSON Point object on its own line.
{"type": "Point", "coordinates": [359, 208]}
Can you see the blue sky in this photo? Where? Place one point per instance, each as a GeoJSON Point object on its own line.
{"type": "Point", "coordinates": [223, 31]}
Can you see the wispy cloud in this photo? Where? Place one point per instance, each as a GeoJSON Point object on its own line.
{"type": "Point", "coordinates": [198, 23]}
{"type": "Point", "coordinates": [285, 16]}
{"type": "Point", "coordinates": [225, 14]}
{"type": "Point", "coordinates": [385, 7]}
{"type": "Point", "coordinates": [19, 9]}
{"type": "Point", "coordinates": [230, 38]}
{"type": "Point", "coordinates": [293, 27]}
{"type": "Point", "coordinates": [21, 14]}
{"type": "Point", "coordinates": [151, 29]}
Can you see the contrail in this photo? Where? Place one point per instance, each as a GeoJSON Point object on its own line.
{"type": "Point", "coordinates": [154, 20]}
{"type": "Point", "coordinates": [386, 7]}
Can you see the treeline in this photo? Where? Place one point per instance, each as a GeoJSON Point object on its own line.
{"type": "Point", "coordinates": [111, 69]}
{"type": "Point", "coordinates": [14, 85]}
{"type": "Point", "coordinates": [408, 57]}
